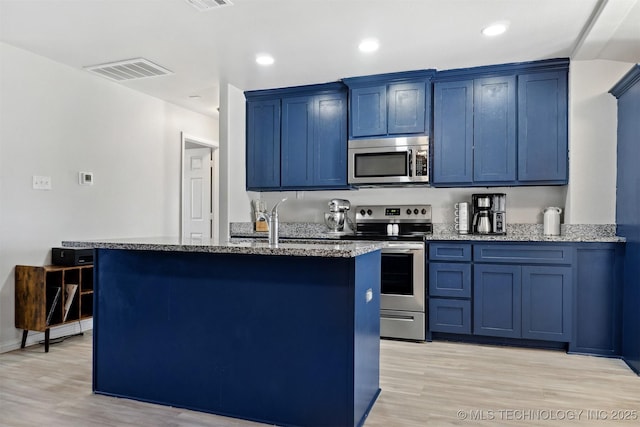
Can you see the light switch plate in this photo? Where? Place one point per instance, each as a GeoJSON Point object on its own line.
{"type": "Point", "coordinates": [41, 182]}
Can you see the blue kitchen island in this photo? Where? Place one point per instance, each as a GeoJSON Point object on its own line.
{"type": "Point", "coordinates": [285, 335]}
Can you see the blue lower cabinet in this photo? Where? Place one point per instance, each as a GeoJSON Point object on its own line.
{"type": "Point", "coordinates": [450, 315]}
{"type": "Point", "coordinates": [299, 348]}
{"type": "Point", "coordinates": [450, 252]}
{"type": "Point", "coordinates": [448, 279]}
{"type": "Point", "coordinates": [497, 297]}
{"type": "Point", "coordinates": [556, 293]}
{"type": "Point", "coordinates": [531, 302]}
{"type": "Point", "coordinates": [598, 293]}
{"type": "Point", "coordinates": [547, 293]}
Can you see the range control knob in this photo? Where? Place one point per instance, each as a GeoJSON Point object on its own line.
{"type": "Point", "coordinates": [415, 211]}
{"type": "Point", "coordinates": [362, 212]}
{"type": "Point", "coordinates": [408, 211]}
{"type": "Point", "coordinates": [369, 212]}
{"type": "Point", "coordinates": [424, 211]}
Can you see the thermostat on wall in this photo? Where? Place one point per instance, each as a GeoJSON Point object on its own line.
{"type": "Point", "coordinates": [86, 178]}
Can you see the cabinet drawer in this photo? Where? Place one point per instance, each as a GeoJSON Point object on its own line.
{"type": "Point", "coordinates": [449, 279]}
{"type": "Point", "coordinates": [450, 315]}
{"type": "Point", "coordinates": [523, 254]}
{"type": "Point", "coordinates": [450, 252]}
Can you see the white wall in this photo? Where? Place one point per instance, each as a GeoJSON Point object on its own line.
{"type": "Point", "coordinates": [591, 196]}
{"type": "Point", "coordinates": [235, 200]}
{"type": "Point", "coordinates": [56, 121]}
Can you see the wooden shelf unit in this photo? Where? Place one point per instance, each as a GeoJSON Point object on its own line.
{"type": "Point", "coordinates": [43, 292]}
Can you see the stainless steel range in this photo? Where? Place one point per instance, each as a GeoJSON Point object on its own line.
{"type": "Point", "coordinates": [403, 278]}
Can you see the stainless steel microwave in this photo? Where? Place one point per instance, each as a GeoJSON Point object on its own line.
{"type": "Point", "coordinates": [388, 161]}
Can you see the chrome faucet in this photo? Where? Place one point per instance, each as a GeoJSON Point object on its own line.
{"type": "Point", "coordinates": [273, 224]}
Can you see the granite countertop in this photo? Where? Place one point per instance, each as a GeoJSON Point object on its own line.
{"type": "Point", "coordinates": [316, 248]}
{"type": "Point", "coordinates": [569, 233]}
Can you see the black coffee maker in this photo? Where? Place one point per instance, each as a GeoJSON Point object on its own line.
{"type": "Point", "coordinates": [489, 213]}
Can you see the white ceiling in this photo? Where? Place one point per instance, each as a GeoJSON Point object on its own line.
{"type": "Point", "coordinates": [312, 41]}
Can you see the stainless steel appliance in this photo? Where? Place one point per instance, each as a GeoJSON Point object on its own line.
{"type": "Point", "coordinates": [335, 218]}
{"type": "Point", "coordinates": [403, 276]}
{"type": "Point", "coordinates": [489, 213]}
{"type": "Point", "coordinates": [388, 161]}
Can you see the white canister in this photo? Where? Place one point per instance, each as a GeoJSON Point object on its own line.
{"type": "Point", "coordinates": [551, 220]}
{"type": "Point", "coordinates": [461, 219]}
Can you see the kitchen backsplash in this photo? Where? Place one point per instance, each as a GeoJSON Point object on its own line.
{"type": "Point", "coordinates": [524, 204]}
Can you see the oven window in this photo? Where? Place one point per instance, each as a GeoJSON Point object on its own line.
{"type": "Point", "coordinates": [369, 165]}
{"type": "Point", "coordinates": [397, 274]}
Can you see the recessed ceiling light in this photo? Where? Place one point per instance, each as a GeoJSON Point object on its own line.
{"type": "Point", "coordinates": [264, 59]}
{"type": "Point", "coordinates": [495, 29]}
{"type": "Point", "coordinates": [369, 45]}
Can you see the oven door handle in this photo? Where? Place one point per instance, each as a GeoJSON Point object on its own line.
{"type": "Point", "coordinates": [403, 247]}
{"type": "Point", "coordinates": [400, 251]}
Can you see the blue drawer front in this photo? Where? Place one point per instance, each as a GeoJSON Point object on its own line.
{"type": "Point", "coordinates": [449, 252]}
{"type": "Point", "coordinates": [450, 315]}
{"type": "Point", "coordinates": [523, 254]}
{"type": "Point", "coordinates": [448, 279]}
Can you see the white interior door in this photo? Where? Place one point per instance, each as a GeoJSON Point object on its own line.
{"type": "Point", "coordinates": [197, 207]}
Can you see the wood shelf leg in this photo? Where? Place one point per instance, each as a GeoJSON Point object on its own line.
{"type": "Point", "coordinates": [46, 340]}
{"type": "Point", "coordinates": [24, 338]}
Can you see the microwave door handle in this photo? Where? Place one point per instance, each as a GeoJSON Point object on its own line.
{"type": "Point", "coordinates": [410, 162]}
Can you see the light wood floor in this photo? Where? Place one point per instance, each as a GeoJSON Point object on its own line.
{"type": "Point", "coordinates": [428, 384]}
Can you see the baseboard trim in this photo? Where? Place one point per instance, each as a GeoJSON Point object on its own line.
{"type": "Point", "coordinates": [56, 332]}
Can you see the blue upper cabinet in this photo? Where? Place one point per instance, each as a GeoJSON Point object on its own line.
{"type": "Point", "coordinates": [263, 144]}
{"type": "Point", "coordinates": [509, 121]}
{"type": "Point", "coordinates": [542, 127]}
{"type": "Point", "coordinates": [390, 104]}
{"type": "Point", "coordinates": [453, 131]}
{"type": "Point", "coordinates": [369, 111]}
{"type": "Point", "coordinates": [494, 129]}
{"type": "Point", "coordinates": [309, 149]}
{"type": "Point", "coordinates": [407, 111]}
{"type": "Point", "coordinates": [330, 140]}
{"type": "Point", "coordinates": [297, 141]}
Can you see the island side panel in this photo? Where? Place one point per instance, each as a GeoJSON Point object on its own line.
{"type": "Point", "coordinates": [367, 334]}
{"type": "Point", "coordinates": [266, 338]}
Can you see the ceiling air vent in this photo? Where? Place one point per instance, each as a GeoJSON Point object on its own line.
{"type": "Point", "coordinates": [130, 69]}
{"type": "Point", "coordinates": [204, 5]}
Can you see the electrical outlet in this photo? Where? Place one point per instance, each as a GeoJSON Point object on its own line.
{"type": "Point", "coordinates": [41, 182]}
